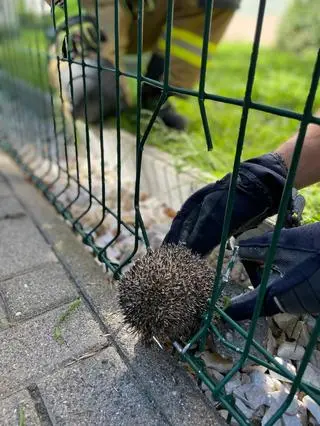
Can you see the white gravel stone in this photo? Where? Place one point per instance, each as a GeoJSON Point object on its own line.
{"type": "Point", "coordinates": [286, 364]}
{"type": "Point", "coordinates": [252, 395]}
{"type": "Point", "coordinates": [315, 359]}
{"type": "Point", "coordinates": [217, 362]}
{"type": "Point", "coordinates": [244, 408]}
{"type": "Point", "coordinates": [290, 350]}
{"type": "Point", "coordinates": [276, 401]}
{"type": "Point", "coordinates": [312, 406]}
{"type": "Point", "coordinates": [271, 342]}
{"type": "Point", "coordinates": [292, 420]}
{"type": "Point", "coordinates": [286, 322]}
{"type": "Point", "coordinates": [233, 384]}
{"type": "Point", "coordinates": [312, 376]}
{"type": "Point", "coordinates": [264, 380]}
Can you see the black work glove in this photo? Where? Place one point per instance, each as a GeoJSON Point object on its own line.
{"type": "Point", "coordinates": [91, 98]}
{"type": "Point", "coordinates": [294, 281]}
{"type": "Point", "coordinates": [84, 45]}
{"type": "Point", "coordinates": [258, 193]}
{"type": "Point", "coordinates": [81, 42]}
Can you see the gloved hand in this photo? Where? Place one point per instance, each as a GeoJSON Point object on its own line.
{"type": "Point", "coordinates": [83, 45]}
{"type": "Point", "coordinates": [81, 41]}
{"type": "Point", "coordinates": [258, 193]}
{"type": "Point", "coordinates": [294, 281]}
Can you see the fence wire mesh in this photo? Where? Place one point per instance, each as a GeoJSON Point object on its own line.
{"type": "Point", "coordinates": [72, 168]}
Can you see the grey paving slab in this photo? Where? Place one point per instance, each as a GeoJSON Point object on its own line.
{"type": "Point", "coordinates": [37, 291]}
{"type": "Point", "coordinates": [170, 385]}
{"type": "Point", "coordinates": [3, 318]}
{"type": "Point", "coordinates": [30, 350]}
{"type": "Point", "coordinates": [157, 373]}
{"type": "Point", "coordinates": [4, 189]}
{"type": "Point", "coordinates": [19, 409]}
{"type": "Point", "coordinates": [22, 247]}
{"type": "Point", "coordinates": [97, 391]}
{"type": "Point", "coordinates": [166, 381]}
{"type": "Point", "coordinates": [10, 207]}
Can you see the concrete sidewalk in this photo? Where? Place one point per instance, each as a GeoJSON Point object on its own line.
{"type": "Point", "coordinates": [65, 357]}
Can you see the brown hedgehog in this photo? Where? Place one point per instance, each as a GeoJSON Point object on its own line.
{"type": "Point", "coordinates": [165, 293]}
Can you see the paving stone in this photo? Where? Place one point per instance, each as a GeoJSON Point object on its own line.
{"type": "Point", "coordinates": [37, 291]}
{"type": "Point", "coordinates": [3, 318]}
{"type": "Point", "coordinates": [97, 391]}
{"type": "Point", "coordinates": [22, 247]}
{"type": "Point", "coordinates": [158, 373]}
{"type": "Point", "coordinates": [10, 207]}
{"type": "Point", "coordinates": [176, 393]}
{"type": "Point", "coordinates": [5, 190]}
{"type": "Point", "coordinates": [18, 409]}
{"type": "Point", "coordinates": [29, 350]}
{"type": "Point", "coordinates": [166, 381]}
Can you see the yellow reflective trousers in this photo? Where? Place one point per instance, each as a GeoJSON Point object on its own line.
{"type": "Point", "coordinates": [187, 32]}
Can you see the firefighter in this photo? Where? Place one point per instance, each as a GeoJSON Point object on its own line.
{"type": "Point", "coordinates": [186, 47]}
{"type": "Point", "coordinates": [294, 283]}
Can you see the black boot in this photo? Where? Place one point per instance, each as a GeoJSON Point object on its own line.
{"type": "Point", "coordinates": [150, 96]}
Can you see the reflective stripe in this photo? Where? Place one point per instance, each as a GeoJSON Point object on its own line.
{"type": "Point", "coordinates": [186, 46]}
{"type": "Point", "coordinates": [191, 38]}
{"type": "Point", "coordinates": [182, 53]}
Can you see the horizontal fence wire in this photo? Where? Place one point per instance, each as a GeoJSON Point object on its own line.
{"type": "Point", "coordinates": [48, 147]}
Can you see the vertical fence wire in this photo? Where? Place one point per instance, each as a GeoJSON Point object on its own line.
{"type": "Point", "coordinates": [54, 146]}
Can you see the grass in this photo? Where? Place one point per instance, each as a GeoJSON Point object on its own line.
{"type": "Point", "coordinates": [57, 332]}
{"type": "Point", "coordinates": [282, 80]}
{"type": "Point", "coordinates": [25, 57]}
{"type": "Point", "coordinates": [21, 416]}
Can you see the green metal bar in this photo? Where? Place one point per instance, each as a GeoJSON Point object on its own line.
{"type": "Point", "coordinates": [282, 112]}
{"type": "Point", "coordinates": [297, 381]}
{"type": "Point", "coordinates": [62, 106]}
{"type": "Point", "coordinates": [237, 414]}
{"type": "Point", "coordinates": [273, 364]}
{"type": "Point", "coordinates": [16, 124]}
{"type": "Point", "coordinates": [101, 118]}
{"type": "Point", "coordinates": [42, 72]}
{"type": "Point", "coordinates": [138, 118]}
{"type": "Point", "coordinates": [110, 211]}
{"type": "Point", "coordinates": [140, 142]}
{"type": "Point", "coordinates": [66, 17]}
{"type": "Point", "coordinates": [102, 252]}
{"type": "Point", "coordinates": [139, 234]}
{"type": "Point", "coordinates": [240, 142]}
{"type": "Point", "coordinates": [281, 215]}
{"type": "Point", "coordinates": [85, 112]}
{"type": "Point", "coordinates": [203, 72]}
{"type": "Point", "coordinates": [286, 195]}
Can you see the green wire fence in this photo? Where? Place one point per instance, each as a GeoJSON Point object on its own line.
{"type": "Point", "coordinates": [46, 144]}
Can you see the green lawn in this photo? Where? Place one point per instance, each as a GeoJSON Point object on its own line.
{"type": "Point", "coordinates": [282, 80]}
{"type": "Point", "coordinates": [25, 57]}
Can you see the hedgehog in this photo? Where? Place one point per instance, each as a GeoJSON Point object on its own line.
{"type": "Point", "coordinates": [165, 293]}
